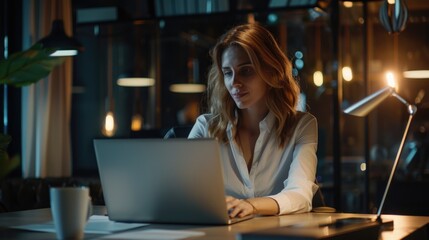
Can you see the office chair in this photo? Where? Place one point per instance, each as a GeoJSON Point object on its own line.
{"type": "Point", "coordinates": [319, 204]}
{"type": "Point", "coordinates": [178, 132]}
{"type": "Point", "coordinates": [2, 208]}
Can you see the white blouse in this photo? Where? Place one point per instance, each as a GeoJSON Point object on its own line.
{"type": "Point", "coordinates": [285, 174]}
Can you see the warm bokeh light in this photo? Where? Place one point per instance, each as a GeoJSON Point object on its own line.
{"type": "Point", "coordinates": [347, 73]}
{"type": "Point", "coordinates": [136, 122]}
{"type": "Point", "coordinates": [187, 88]}
{"type": "Point", "coordinates": [417, 74]}
{"type": "Point", "coordinates": [348, 4]}
{"type": "Point", "coordinates": [109, 124]}
{"type": "Point", "coordinates": [391, 1]}
{"type": "Point", "coordinates": [363, 167]}
{"type": "Point", "coordinates": [318, 78]}
{"type": "Point", "coordinates": [136, 82]}
{"type": "Point", "coordinates": [390, 77]}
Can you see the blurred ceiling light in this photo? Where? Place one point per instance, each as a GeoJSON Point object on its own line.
{"type": "Point", "coordinates": [391, 1]}
{"type": "Point", "coordinates": [417, 74]}
{"type": "Point", "coordinates": [135, 82]}
{"type": "Point", "coordinates": [347, 73]}
{"type": "Point", "coordinates": [348, 4]}
{"type": "Point", "coordinates": [192, 86]}
{"type": "Point", "coordinates": [187, 88]}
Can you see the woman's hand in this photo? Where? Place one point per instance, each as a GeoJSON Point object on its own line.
{"type": "Point", "coordinates": [239, 207]}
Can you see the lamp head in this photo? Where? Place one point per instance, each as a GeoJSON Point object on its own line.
{"type": "Point", "coordinates": [367, 104]}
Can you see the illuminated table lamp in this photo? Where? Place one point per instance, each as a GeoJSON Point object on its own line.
{"type": "Point", "coordinates": [366, 105]}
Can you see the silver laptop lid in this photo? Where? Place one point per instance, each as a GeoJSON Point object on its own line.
{"type": "Point", "coordinates": [162, 180]}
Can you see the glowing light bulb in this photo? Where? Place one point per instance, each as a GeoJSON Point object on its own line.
{"type": "Point", "coordinates": [390, 77]}
{"type": "Point", "coordinates": [363, 167]}
{"type": "Point", "coordinates": [136, 122]}
{"type": "Point", "coordinates": [347, 73]}
{"type": "Point", "coordinates": [109, 124]}
{"type": "Point", "coordinates": [318, 78]}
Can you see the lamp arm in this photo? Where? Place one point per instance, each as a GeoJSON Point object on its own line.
{"type": "Point", "coordinates": [398, 155]}
{"type": "Point", "coordinates": [401, 99]}
{"type": "Point", "coordinates": [411, 108]}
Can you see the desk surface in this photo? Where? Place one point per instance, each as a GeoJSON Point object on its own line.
{"type": "Point", "coordinates": [404, 226]}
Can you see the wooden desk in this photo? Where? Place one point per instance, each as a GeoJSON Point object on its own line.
{"type": "Point", "coordinates": [408, 227]}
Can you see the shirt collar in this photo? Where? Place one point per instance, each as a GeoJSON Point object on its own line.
{"type": "Point", "coordinates": [265, 125]}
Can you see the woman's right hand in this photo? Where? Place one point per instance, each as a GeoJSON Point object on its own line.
{"type": "Point", "coordinates": [239, 207]}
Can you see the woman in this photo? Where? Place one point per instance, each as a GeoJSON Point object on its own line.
{"type": "Point", "coordinates": [268, 148]}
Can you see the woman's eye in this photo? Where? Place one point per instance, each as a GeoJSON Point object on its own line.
{"type": "Point", "coordinates": [247, 71]}
{"type": "Point", "coordinates": [227, 73]}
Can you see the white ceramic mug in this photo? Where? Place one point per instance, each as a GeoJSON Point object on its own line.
{"type": "Point", "coordinates": [70, 208]}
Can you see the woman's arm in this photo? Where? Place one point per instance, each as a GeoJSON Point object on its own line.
{"type": "Point", "coordinates": [244, 207]}
{"type": "Point", "coordinates": [299, 187]}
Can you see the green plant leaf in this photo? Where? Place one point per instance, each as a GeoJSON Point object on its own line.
{"type": "Point", "coordinates": [21, 69]}
{"type": "Point", "coordinates": [6, 164]}
{"type": "Point", "coordinates": [27, 67]}
{"type": "Point", "coordinates": [4, 141]}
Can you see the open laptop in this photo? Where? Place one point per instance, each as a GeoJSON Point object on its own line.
{"type": "Point", "coordinates": [163, 180]}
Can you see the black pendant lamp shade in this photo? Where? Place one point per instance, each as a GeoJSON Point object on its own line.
{"type": "Point", "coordinates": [57, 39]}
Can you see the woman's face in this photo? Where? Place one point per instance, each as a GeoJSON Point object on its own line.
{"type": "Point", "coordinates": [243, 83]}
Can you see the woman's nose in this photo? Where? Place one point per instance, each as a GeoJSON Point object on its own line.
{"type": "Point", "coordinates": [236, 82]}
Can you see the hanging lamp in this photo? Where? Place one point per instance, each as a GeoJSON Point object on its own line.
{"type": "Point", "coordinates": [192, 86]}
{"type": "Point", "coordinates": [393, 17]}
{"type": "Point", "coordinates": [59, 40]}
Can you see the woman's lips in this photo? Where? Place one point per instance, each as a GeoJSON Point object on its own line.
{"type": "Point", "coordinates": [239, 95]}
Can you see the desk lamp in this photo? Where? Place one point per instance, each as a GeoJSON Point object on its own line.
{"type": "Point", "coordinates": [365, 106]}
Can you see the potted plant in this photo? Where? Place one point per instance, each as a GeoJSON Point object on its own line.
{"type": "Point", "coordinates": [21, 69]}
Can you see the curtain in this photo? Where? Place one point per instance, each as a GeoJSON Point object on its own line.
{"type": "Point", "coordinates": [46, 105]}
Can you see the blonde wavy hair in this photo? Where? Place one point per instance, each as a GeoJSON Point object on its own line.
{"type": "Point", "coordinates": [270, 63]}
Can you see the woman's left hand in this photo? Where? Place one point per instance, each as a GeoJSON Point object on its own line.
{"type": "Point", "coordinates": [238, 207]}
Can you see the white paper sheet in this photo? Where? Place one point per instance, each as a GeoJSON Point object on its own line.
{"type": "Point", "coordinates": [155, 234]}
{"type": "Point", "coordinates": [96, 224]}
